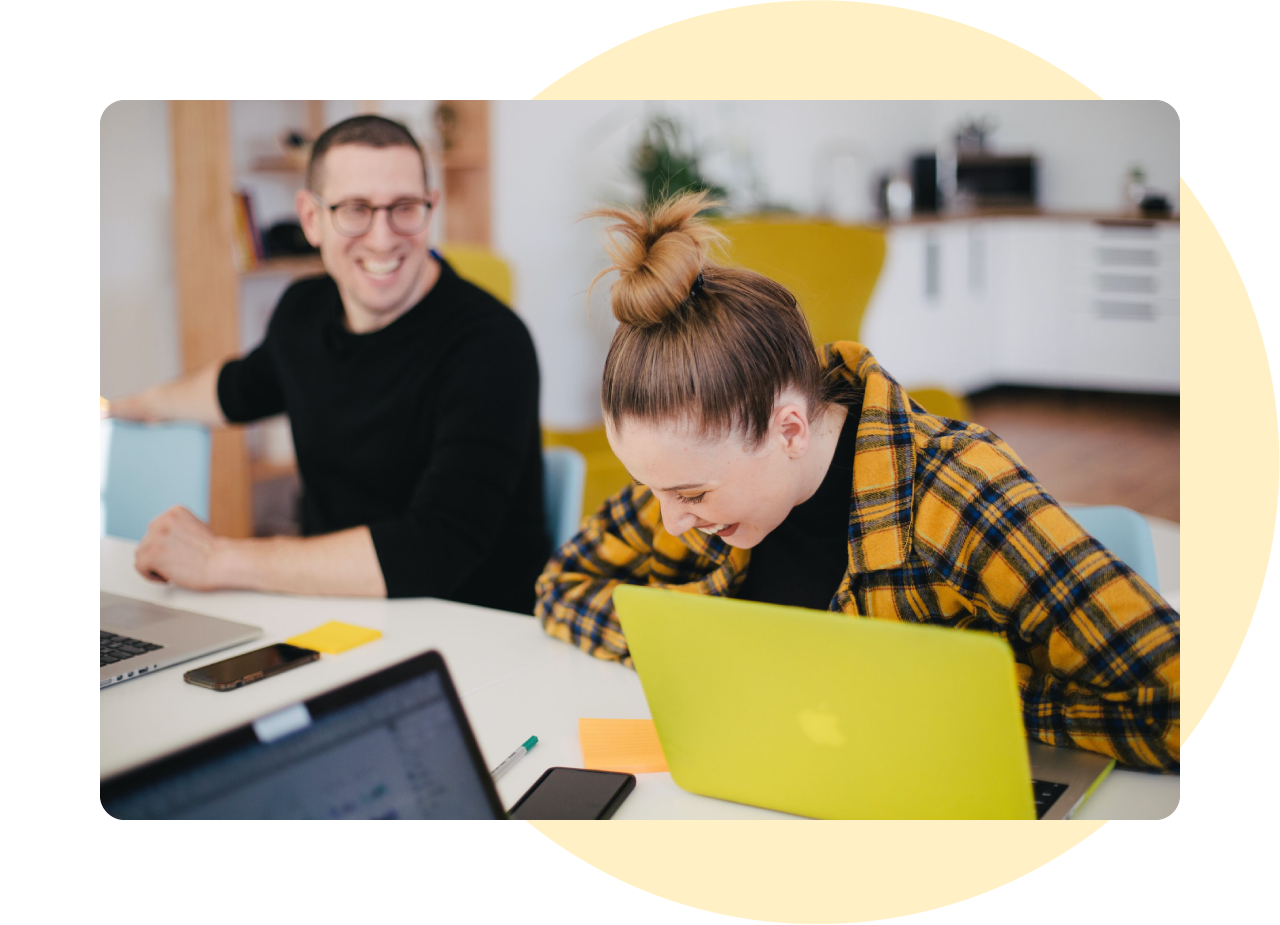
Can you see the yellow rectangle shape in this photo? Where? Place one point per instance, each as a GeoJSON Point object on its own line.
{"type": "Point", "coordinates": [335, 637]}
{"type": "Point", "coordinates": [621, 745]}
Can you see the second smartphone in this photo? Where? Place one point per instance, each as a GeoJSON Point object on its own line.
{"type": "Point", "coordinates": [574, 793]}
{"type": "Point", "coordinates": [240, 670]}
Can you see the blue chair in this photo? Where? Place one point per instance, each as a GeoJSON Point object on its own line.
{"type": "Point", "coordinates": [148, 468]}
{"type": "Point", "coordinates": [1123, 531]}
{"type": "Point", "coordinates": [564, 474]}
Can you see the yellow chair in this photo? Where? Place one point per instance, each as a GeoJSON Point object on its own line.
{"type": "Point", "coordinates": [832, 269]}
{"type": "Point", "coordinates": [942, 403]}
{"type": "Point", "coordinates": [481, 266]}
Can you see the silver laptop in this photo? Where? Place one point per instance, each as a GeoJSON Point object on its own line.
{"type": "Point", "coordinates": [138, 637]}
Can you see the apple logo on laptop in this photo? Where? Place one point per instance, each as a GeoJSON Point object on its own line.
{"type": "Point", "coordinates": [822, 726]}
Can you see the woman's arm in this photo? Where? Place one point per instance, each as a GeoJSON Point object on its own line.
{"type": "Point", "coordinates": [623, 543]}
{"type": "Point", "coordinates": [1098, 648]}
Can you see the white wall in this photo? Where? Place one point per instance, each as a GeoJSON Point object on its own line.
{"type": "Point", "coordinates": [552, 161]}
{"type": "Point", "coordinates": [139, 341]}
{"type": "Point", "coordinates": [1085, 147]}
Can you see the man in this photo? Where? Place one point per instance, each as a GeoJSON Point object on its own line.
{"type": "Point", "coordinates": [413, 399]}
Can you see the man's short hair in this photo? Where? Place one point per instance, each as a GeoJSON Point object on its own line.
{"type": "Point", "coordinates": [370, 131]}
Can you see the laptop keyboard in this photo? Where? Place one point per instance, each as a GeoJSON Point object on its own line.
{"type": "Point", "coordinates": [1046, 794]}
{"type": "Point", "coordinates": [116, 648]}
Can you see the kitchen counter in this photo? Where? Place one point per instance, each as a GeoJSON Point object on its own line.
{"type": "Point", "coordinates": [1101, 218]}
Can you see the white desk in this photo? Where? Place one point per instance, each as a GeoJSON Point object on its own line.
{"type": "Point", "coordinates": [514, 681]}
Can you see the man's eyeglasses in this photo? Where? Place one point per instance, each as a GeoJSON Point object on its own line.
{"type": "Point", "coordinates": [354, 218]}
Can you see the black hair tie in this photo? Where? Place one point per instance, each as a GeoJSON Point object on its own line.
{"type": "Point", "coordinates": [696, 288]}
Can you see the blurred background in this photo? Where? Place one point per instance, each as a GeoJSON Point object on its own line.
{"type": "Point", "coordinates": [1011, 263]}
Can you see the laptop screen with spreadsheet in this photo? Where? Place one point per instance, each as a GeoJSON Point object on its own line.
{"type": "Point", "coordinates": [395, 745]}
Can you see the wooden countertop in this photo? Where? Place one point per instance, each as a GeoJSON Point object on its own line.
{"type": "Point", "coordinates": [1121, 219]}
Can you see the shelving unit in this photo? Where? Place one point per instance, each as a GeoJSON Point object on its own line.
{"type": "Point", "coordinates": [466, 180]}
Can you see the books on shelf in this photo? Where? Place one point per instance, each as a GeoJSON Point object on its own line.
{"type": "Point", "coordinates": [248, 240]}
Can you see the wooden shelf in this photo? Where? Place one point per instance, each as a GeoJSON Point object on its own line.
{"type": "Point", "coordinates": [452, 161]}
{"type": "Point", "coordinates": [264, 470]}
{"type": "Point", "coordinates": [466, 172]}
{"type": "Point", "coordinates": [301, 265]}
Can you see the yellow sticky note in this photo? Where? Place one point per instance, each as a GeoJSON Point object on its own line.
{"type": "Point", "coordinates": [621, 745]}
{"type": "Point", "coordinates": [334, 637]}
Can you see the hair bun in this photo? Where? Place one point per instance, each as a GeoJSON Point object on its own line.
{"type": "Point", "coordinates": [658, 255]}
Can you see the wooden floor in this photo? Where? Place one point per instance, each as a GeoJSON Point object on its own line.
{"type": "Point", "coordinates": [1091, 447]}
{"type": "Point", "coordinates": [1084, 447]}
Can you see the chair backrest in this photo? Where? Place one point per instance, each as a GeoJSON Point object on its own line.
{"type": "Point", "coordinates": [148, 468]}
{"type": "Point", "coordinates": [564, 471]}
{"type": "Point", "coordinates": [481, 266]}
{"type": "Point", "coordinates": [1123, 531]}
{"type": "Point", "coordinates": [942, 402]}
{"type": "Point", "coordinates": [831, 269]}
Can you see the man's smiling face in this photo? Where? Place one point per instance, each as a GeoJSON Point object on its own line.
{"type": "Point", "coordinates": [381, 273]}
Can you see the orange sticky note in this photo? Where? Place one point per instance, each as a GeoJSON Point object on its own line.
{"type": "Point", "coordinates": [334, 637]}
{"type": "Point", "coordinates": [621, 745]}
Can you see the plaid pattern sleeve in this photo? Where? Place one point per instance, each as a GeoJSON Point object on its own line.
{"type": "Point", "coordinates": [624, 543]}
{"type": "Point", "coordinates": [948, 527]}
{"type": "Point", "coordinates": [1097, 648]}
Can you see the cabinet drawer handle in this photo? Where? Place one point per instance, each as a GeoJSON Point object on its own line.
{"type": "Point", "coordinates": [1126, 257]}
{"type": "Point", "coordinates": [932, 269]}
{"type": "Point", "coordinates": [1116, 282]}
{"type": "Point", "coordinates": [1133, 311]}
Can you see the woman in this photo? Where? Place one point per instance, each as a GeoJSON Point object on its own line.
{"type": "Point", "coordinates": [770, 471]}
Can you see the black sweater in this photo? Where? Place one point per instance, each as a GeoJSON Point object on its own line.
{"type": "Point", "coordinates": [425, 430]}
{"type": "Point", "coordinates": [803, 560]}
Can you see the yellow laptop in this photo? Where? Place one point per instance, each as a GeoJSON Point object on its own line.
{"type": "Point", "coordinates": [835, 717]}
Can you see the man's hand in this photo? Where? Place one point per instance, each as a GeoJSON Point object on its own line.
{"type": "Point", "coordinates": [180, 548]}
{"type": "Point", "coordinates": [194, 397]}
{"type": "Point", "coordinates": [130, 408]}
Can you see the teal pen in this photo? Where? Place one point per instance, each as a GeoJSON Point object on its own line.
{"type": "Point", "coordinates": [514, 757]}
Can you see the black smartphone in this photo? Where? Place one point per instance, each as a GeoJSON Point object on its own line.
{"type": "Point", "coordinates": [574, 793]}
{"type": "Point", "coordinates": [240, 670]}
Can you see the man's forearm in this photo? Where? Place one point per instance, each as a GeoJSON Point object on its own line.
{"type": "Point", "coordinates": [193, 397]}
{"type": "Point", "coordinates": [343, 563]}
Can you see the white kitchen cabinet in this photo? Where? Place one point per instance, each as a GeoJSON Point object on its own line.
{"type": "Point", "coordinates": [970, 303]}
{"type": "Point", "coordinates": [936, 280]}
{"type": "Point", "coordinates": [1122, 306]}
{"type": "Point", "coordinates": [1027, 316]}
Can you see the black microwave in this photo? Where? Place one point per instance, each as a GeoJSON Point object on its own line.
{"type": "Point", "coordinates": [973, 180]}
{"type": "Point", "coordinates": [989, 180]}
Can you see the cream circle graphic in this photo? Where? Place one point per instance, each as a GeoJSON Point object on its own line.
{"type": "Point", "coordinates": [838, 50]}
{"type": "Point", "coordinates": [853, 871]}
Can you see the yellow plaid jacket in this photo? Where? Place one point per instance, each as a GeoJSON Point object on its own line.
{"type": "Point", "coordinates": [946, 526]}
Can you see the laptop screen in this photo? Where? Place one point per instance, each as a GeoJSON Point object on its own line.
{"type": "Point", "coordinates": [393, 746]}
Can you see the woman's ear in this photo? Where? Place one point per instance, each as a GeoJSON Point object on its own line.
{"type": "Point", "coordinates": [790, 426]}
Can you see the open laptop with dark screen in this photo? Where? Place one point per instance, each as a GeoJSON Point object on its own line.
{"type": "Point", "coordinates": [394, 745]}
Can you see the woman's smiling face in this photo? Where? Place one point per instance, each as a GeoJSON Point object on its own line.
{"type": "Point", "coordinates": [718, 485]}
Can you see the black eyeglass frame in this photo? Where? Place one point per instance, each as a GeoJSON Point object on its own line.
{"type": "Point", "coordinates": [373, 214]}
